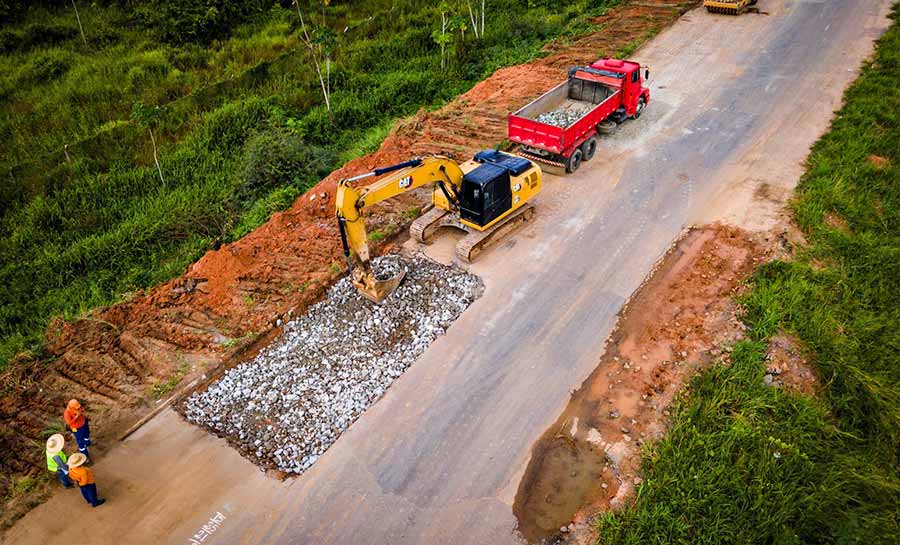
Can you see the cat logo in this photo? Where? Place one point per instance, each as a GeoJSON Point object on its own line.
{"type": "Point", "coordinates": [405, 182]}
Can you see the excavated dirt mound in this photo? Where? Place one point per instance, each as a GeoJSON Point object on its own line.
{"type": "Point", "coordinates": [683, 317]}
{"type": "Point", "coordinates": [202, 319]}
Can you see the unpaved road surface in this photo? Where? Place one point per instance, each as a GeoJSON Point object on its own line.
{"type": "Point", "coordinates": [736, 104]}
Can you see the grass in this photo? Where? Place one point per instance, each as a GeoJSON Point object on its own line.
{"type": "Point", "coordinates": [24, 486]}
{"type": "Point", "coordinates": [240, 125]}
{"type": "Point", "coordinates": [160, 389]}
{"type": "Point", "coordinates": [746, 463]}
{"type": "Point", "coordinates": [231, 343]}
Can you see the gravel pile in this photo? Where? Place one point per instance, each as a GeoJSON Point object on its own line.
{"type": "Point", "coordinates": [288, 405]}
{"type": "Point", "coordinates": [562, 117]}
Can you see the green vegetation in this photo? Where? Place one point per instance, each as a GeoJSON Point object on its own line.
{"type": "Point", "coordinates": [23, 486]}
{"type": "Point", "coordinates": [747, 463]}
{"type": "Point", "coordinates": [162, 388]}
{"type": "Point", "coordinates": [224, 94]}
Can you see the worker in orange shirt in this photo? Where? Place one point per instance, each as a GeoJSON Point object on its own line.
{"type": "Point", "coordinates": [78, 423]}
{"type": "Point", "coordinates": [85, 479]}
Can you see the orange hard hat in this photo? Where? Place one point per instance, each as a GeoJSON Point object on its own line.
{"type": "Point", "coordinates": [74, 405]}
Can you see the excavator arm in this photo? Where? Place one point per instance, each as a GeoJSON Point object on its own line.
{"type": "Point", "coordinates": [351, 201]}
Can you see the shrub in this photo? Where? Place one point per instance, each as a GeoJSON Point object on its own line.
{"type": "Point", "coordinates": [45, 67]}
{"type": "Point", "coordinates": [197, 21]}
{"type": "Point", "coordinates": [277, 157]}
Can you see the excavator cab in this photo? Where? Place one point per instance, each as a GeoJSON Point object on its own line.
{"type": "Point", "coordinates": [486, 192]}
{"type": "Point", "coordinates": [485, 195]}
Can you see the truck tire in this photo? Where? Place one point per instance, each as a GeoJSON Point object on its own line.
{"type": "Point", "coordinates": [574, 161]}
{"type": "Point", "coordinates": [640, 108]}
{"type": "Point", "coordinates": [589, 148]}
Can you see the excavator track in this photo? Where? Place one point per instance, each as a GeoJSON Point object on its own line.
{"type": "Point", "coordinates": [477, 241]}
{"type": "Point", "coordinates": [425, 226]}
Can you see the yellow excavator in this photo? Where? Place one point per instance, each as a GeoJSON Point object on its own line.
{"type": "Point", "coordinates": [728, 7]}
{"type": "Point", "coordinates": [487, 197]}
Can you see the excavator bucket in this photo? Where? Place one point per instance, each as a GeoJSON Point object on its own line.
{"type": "Point", "coordinates": [376, 289]}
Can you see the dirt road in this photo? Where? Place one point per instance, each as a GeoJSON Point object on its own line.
{"type": "Point", "coordinates": [736, 104]}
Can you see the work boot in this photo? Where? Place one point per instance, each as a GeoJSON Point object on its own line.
{"type": "Point", "coordinates": [100, 502]}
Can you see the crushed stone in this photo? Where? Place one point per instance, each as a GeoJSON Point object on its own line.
{"type": "Point", "coordinates": [562, 117]}
{"type": "Point", "coordinates": [284, 408]}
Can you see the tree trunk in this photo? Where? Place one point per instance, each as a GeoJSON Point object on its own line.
{"type": "Point", "coordinates": [81, 28]}
{"type": "Point", "coordinates": [312, 52]}
{"type": "Point", "coordinates": [156, 157]}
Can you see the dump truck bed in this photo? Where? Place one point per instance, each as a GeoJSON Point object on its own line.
{"type": "Point", "coordinates": [557, 120]}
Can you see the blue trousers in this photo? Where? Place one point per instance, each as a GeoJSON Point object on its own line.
{"type": "Point", "coordinates": [64, 478]}
{"type": "Point", "coordinates": [83, 438]}
{"type": "Point", "coordinates": [89, 493]}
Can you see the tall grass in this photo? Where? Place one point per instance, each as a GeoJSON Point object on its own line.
{"type": "Point", "coordinates": [84, 224]}
{"type": "Point", "coordinates": [746, 463]}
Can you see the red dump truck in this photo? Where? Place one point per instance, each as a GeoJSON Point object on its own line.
{"type": "Point", "coordinates": [560, 127]}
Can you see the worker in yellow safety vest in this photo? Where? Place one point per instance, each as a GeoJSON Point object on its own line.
{"type": "Point", "coordinates": [56, 459]}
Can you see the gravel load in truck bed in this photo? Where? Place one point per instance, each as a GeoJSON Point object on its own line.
{"type": "Point", "coordinates": [562, 117]}
{"type": "Point", "coordinates": [284, 408]}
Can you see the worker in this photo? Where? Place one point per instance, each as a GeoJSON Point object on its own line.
{"type": "Point", "coordinates": [78, 423]}
{"type": "Point", "coordinates": [85, 479]}
{"type": "Point", "coordinates": [56, 459]}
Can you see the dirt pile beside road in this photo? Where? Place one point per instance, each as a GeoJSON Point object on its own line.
{"type": "Point", "coordinates": [203, 319]}
{"type": "Point", "coordinates": [683, 317]}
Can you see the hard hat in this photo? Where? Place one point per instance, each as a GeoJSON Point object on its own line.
{"type": "Point", "coordinates": [74, 404]}
{"type": "Point", "coordinates": [55, 443]}
{"type": "Point", "coordinates": [76, 460]}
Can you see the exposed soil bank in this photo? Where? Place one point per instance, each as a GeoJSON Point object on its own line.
{"type": "Point", "coordinates": [682, 317]}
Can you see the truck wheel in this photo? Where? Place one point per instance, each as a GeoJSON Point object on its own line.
{"type": "Point", "coordinates": [640, 108]}
{"type": "Point", "coordinates": [589, 148]}
{"type": "Point", "coordinates": [574, 161]}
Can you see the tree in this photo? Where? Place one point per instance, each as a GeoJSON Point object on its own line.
{"type": "Point", "coordinates": [313, 46]}
{"type": "Point", "coordinates": [473, 16]}
{"type": "Point", "coordinates": [81, 28]}
{"type": "Point", "coordinates": [145, 116]}
{"type": "Point", "coordinates": [441, 37]}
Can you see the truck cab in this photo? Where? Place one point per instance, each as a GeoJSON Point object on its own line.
{"type": "Point", "coordinates": [627, 76]}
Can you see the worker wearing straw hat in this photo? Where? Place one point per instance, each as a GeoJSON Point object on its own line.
{"type": "Point", "coordinates": [56, 459]}
{"type": "Point", "coordinates": [78, 423]}
{"type": "Point", "coordinates": [85, 479]}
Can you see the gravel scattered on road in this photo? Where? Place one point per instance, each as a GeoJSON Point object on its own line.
{"type": "Point", "coordinates": [287, 406]}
